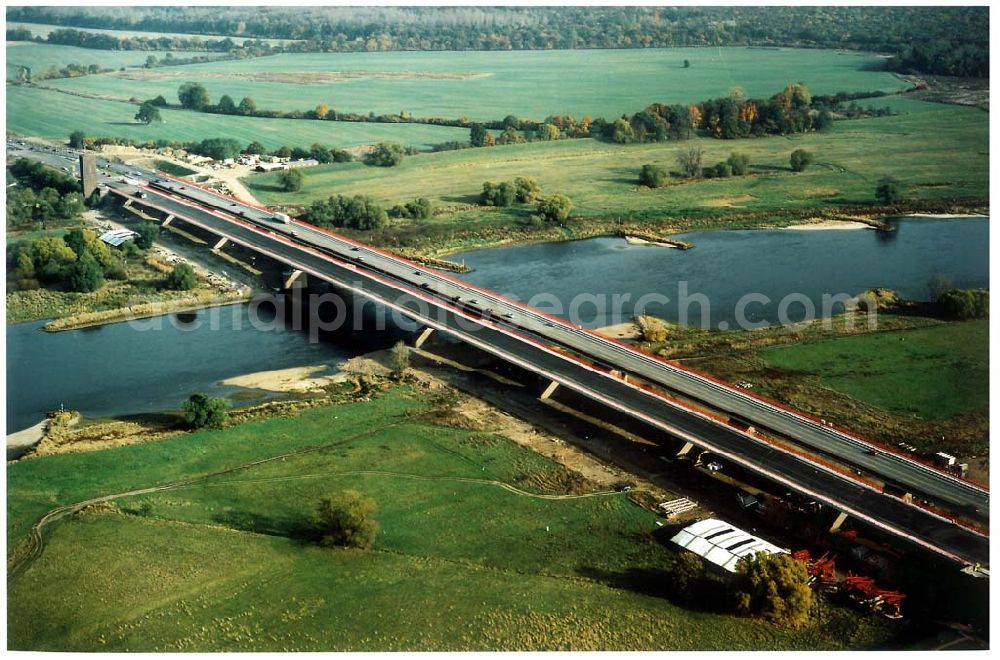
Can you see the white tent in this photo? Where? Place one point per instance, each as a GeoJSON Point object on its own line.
{"type": "Point", "coordinates": [721, 543]}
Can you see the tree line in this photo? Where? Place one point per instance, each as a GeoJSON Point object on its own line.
{"type": "Point", "coordinates": [792, 110]}
{"type": "Point", "coordinates": [944, 40]}
{"type": "Point", "coordinates": [103, 41]}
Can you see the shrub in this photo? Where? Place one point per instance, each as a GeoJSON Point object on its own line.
{"type": "Point", "coordinates": [889, 190]}
{"type": "Point", "coordinates": [800, 160]}
{"type": "Point", "coordinates": [291, 180]}
{"type": "Point", "coordinates": [686, 574]}
{"type": "Point", "coordinates": [341, 156]}
{"type": "Point", "coordinates": [776, 588]}
{"type": "Point", "coordinates": [347, 519]}
{"type": "Point", "coordinates": [740, 163]}
{"type": "Point", "coordinates": [652, 176]}
{"type": "Point", "coordinates": [76, 139]}
{"type": "Point", "coordinates": [181, 278]}
{"type": "Point", "coordinates": [400, 359]}
{"type": "Point", "coordinates": [526, 189]}
{"type": "Point", "coordinates": [555, 208]}
{"type": "Point", "coordinates": [689, 161]}
{"type": "Point", "coordinates": [502, 194]}
{"type": "Point", "coordinates": [385, 154]}
{"type": "Point", "coordinates": [965, 304]}
{"type": "Point", "coordinates": [417, 209]}
{"type": "Point", "coordinates": [201, 410]}
{"type": "Point", "coordinates": [358, 212]}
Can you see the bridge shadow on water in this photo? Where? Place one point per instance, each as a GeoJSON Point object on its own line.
{"type": "Point", "coordinates": [355, 323]}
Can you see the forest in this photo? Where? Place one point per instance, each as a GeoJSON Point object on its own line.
{"type": "Point", "coordinates": [937, 40]}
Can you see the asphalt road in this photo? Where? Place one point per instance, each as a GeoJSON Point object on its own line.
{"type": "Point", "coordinates": [503, 338]}
{"type": "Point", "coordinates": [917, 477]}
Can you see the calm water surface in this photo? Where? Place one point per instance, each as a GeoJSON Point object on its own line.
{"type": "Point", "coordinates": [118, 369]}
{"type": "Point", "coordinates": [727, 265]}
{"type": "Point", "coordinates": [121, 369]}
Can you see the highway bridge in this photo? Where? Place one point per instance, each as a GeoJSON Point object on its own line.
{"type": "Point", "coordinates": [593, 366]}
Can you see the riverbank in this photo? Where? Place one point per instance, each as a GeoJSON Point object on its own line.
{"type": "Point", "coordinates": [22, 441]}
{"type": "Point", "coordinates": [824, 225]}
{"type": "Point", "coordinates": [145, 311]}
{"type": "Point", "coordinates": [141, 294]}
{"type": "Point", "coordinates": [293, 380]}
{"type": "Point", "coordinates": [662, 230]}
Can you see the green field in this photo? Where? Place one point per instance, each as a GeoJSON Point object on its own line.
{"type": "Point", "coordinates": [43, 30]}
{"type": "Point", "coordinates": [65, 113]}
{"type": "Point", "coordinates": [935, 372]}
{"type": "Point", "coordinates": [39, 57]}
{"type": "Point", "coordinates": [491, 85]}
{"type": "Point", "coordinates": [938, 151]}
{"type": "Point", "coordinates": [462, 560]}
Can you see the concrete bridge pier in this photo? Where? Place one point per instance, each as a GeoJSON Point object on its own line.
{"type": "Point", "coordinates": [293, 277]}
{"type": "Point", "coordinates": [685, 450]}
{"type": "Point", "coordinates": [423, 337]}
{"type": "Point", "coordinates": [841, 517]}
{"type": "Point", "coordinates": [549, 391]}
{"type": "Point", "coordinates": [218, 246]}
{"type": "Point", "coordinates": [169, 219]}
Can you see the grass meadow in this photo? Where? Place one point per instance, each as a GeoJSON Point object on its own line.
{"type": "Point", "coordinates": [39, 57]}
{"type": "Point", "coordinates": [96, 117]}
{"type": "Point", "coordinates": [462, 561]}
{"type": "Point", "coordinates": [938, 151]}
{"type": "Point", "coordinates": [934, 372]}
{"type": "Point", "coordinates": [492, 85]}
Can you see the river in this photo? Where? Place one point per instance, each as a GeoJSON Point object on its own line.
{"type": "Point", "coordinates": [572, 279]}
{"type": "Point", "coordinates": [120, 369]}
{"type": "Point", "coordinates": [127, 368]}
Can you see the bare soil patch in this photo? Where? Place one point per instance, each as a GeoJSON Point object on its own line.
{"type": "Point", "coordinates": [720, 202]}
{"type": "Point", "coordinates": [948, 89]}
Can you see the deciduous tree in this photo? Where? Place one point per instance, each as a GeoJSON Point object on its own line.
{"type": "Point", "coordinates": [148, 113]}
{"type": "Point", "coordinates": [193, 96]}
{"type": "Point", "coordinates": [347, 519]}
{"type": "Point", "coordinates": [86, 274]}
{"type": "Point", "coordinates": [800, 160]}
{"type": "Point", "coordinates": [889, 190]}
{"type": "Point", "coordinates": [555, 208]}
{"type": "Point", "coordinates": [291, 180]}
{"type": "Point", "coordinates": [181, 278]}
{"type": "Point", "coordinates": [689, 161]}
{"type": "Point", "coordinates": [776, 588]}
{"type": "Point", "coordinates": [201, 410]}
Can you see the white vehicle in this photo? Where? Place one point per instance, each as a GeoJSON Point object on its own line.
{"type": "Point", "coordinates": [282, 217]}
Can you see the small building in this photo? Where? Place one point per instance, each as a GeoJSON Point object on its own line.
{"type": "Point", "coordinates": [721, 544]}
{"type": "Point", "coordinates": [305, 162]}
{"type": "Point", "coordinates": [115, 237]}
{"type": "Point", "coordinates": [270, 167]}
